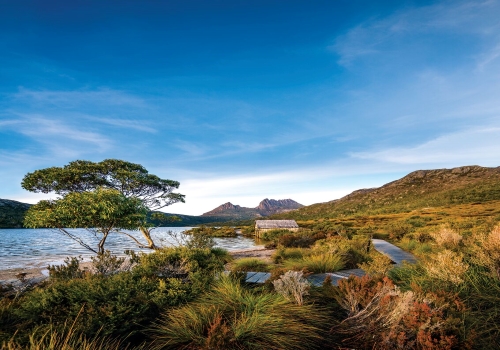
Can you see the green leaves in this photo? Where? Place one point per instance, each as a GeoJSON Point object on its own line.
{"type": "Point", "coordinates": [108, 195]}
{"type": "Point", "coordinates": [102, 208]}
{"type": "Point", "coordinates": [133, 180]}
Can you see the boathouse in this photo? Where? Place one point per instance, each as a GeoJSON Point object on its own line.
{"type": "Point", "coordinates": [268, 225]}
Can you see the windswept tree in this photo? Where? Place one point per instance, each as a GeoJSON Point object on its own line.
{"type": "Point", "coordinates": [130, 180]}
{"type": "Point", "coordinates": [101, 212]}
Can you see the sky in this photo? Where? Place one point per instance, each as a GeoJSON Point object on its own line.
{"type": "Point", "coordinates": [245, 100]}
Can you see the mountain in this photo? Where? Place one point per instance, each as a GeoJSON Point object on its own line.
{"type": "Point", "coordinates": [417, 190]}
{"type": "Point", "coordinates": [12, 213]}
{"type": "Point", "coordinates": [265, 208]}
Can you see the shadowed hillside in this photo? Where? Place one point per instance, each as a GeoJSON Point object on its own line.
{"type": "Point", "coordinates": [419, 189]}
{"type": "Point", "coordinates": [12, 213]}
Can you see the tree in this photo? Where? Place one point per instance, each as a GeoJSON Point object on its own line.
{"type": "Point", "coordinates": [101, 212]}
{"type": "Point", "coordinates": [129, 179]}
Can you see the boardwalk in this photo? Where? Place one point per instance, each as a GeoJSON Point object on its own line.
{"type": "Point", "coordinates": [397, 255]}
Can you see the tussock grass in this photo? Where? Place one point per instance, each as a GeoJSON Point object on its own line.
{"type": "Point", "coordinates": [232, 317]}
{"type": "Point", "coordinates": [288, 253]}
{"type": "Point", "coordinates": [317, 263]}
{"type": "Point", "coordinates": [249, 264]}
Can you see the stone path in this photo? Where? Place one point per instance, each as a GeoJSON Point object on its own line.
{"type": "Point", "coordinates": [397, 255]}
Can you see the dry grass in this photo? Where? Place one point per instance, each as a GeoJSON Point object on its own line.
{"type": "Point", "coordinates": [447, 237]}
{"type": "Point", "coordinates": [487, 252]}
{"type": "Point", "coordinates": [378, 266]}
{"type": "Point", "coordinates": [446, 266]}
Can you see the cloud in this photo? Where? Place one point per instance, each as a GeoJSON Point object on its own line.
{"type": "Point", "coordinates": [72, 99]}
{"type": "Point", "coordinates": [140, 125]}
{"type": "Point", "coordinates": [467, 147]}
{"type": "Point", "coordinates": [63, 139]}
{"type": "Point", "coordinates": [478, 18]}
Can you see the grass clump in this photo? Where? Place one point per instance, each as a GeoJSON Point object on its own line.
{"type": "Point", "coordinates": [249, 264]}
{"type": "Point", "coordinates": [232, 317]}
{"type": "Point", "coordinates": [316, 263]}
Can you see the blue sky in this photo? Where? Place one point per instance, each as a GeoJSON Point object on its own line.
{"type": "Point", "coordinates": [243, 100]}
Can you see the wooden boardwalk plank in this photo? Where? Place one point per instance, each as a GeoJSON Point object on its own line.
{"type": "Point", "coordinates": [396, 254]}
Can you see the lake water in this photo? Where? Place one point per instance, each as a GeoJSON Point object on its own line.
{"type": "Point", "coordinates": [20, 248]}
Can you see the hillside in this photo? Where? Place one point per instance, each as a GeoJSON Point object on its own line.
{"type": "Point", "coordinates": [417, 190]}
{"type": "Point", "coordinates": [12, 213]}
{"type": "Point", "coordinates": [265, 208]}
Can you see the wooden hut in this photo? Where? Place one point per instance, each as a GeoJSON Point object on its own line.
{"type": "Point", "coordinates": [268, 225]}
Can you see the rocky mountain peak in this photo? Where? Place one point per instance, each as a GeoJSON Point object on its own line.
{"type": "Point", "coordinates": [223, 208]}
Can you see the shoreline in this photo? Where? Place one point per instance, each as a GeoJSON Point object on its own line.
{"type": "Point", "coordinates": [38, 274]}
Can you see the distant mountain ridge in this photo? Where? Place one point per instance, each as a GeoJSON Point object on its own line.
{"type": "Point", "coordinates": [418, 189]}
{"type": "Point", "coordinates": [265, 208]}
{"type": "Point", "coordinates": [12, 213]}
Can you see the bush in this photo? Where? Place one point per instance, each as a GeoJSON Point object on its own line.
{"type": "Point", "coordinates": [223, 231]}
{"type": "Point", "coordinates": [446, 266]}
{"type": "Point", "coordinates": [231, 317]}
{"type": "Point", "coordinates": [69, 270]}
{"type": "Point", "coordinates": [288, 253]}
{"type": "Point", "coordinates": [378, 266]}
{"type": "Point", "coordinates": [118, 305]}
{"type": "Point", "coordinates": [380, 316]}
{"type": "Point", "coordinates": [273, 234]}
{"type": "Point", "coordinates": [249, 264]}
{"type": "Point", "coordinates": [446, 237]}
{"type": "Point", "coordinates": [317, 263]}
{"type": "Point", "coordinates": [293, 286]}
{"type": "Point", "coordinates": [295, 241]}
{"type": "Point", "coordinates": [399, 229]}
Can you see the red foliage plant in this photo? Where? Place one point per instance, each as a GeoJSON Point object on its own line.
{"type": "Point", "coordinates": [380, 316]}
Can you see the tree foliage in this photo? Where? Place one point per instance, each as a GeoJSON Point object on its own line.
{"type": "Point", "coordinates": [83, 183]}
{"type": "Point", "coordinates": [101, 211]}
{"type": "Point", "coordinates": [132, 180]}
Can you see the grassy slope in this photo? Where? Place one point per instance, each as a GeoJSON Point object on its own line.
{"type": "Point", "coordinates": [417, 190]}
{"type": "Point", "coordinates": [434, 195]}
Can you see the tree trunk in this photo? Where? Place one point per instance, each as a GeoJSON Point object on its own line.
{"type": "Point", "coordinates": [102, 241]}
{"type": "Point", "coordinates": [147, 235]}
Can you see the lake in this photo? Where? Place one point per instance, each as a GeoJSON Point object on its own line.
{"type": "Point", "coordinates": [26, 248]}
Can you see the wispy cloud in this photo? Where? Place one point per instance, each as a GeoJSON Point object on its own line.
{"type": "Point", "coordinates": [74, 98]}
{"type": "Point", "coordinates": [473, 146]}
{"type": "Point", "coordinates": [140, 125]}
{"type": "Point", "coordinates": [447, 17]}
{"type": "Point", "coordinates": [59, 136]}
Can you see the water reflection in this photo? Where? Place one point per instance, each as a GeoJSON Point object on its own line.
{"type": "Point", "coordinates": [38, 247]}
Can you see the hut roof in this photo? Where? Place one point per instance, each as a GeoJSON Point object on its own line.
{"type": "Point", "coordinates": [272, 224]}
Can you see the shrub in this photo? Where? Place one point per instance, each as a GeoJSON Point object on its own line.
{"type": "Point", "coordinates": [296, 241]}
{"type": "Point", "coordinates": [380, 316]}
{"type": "Point", "coordinates": [118, 305]}
{"type": "Point", "coordinates": [106, 263]}
{"type": "Point", "coordinates": [231, 317]}
{"type": "Point", "coordinates": [399, 229]}
{"type": "Point", "coordinates": [273, 234]}
{"type": "Point", "coordinates": [446, 237]}
{"type": "Point", "coordinates": [288, 253]}
{"type": "Point", "coordinates": [293, 286]}
{"type": "Point", "coordinates": [249, 264]}
{"type": "Point", "coordinates": [317, 263]}
{"type": "Point", "coordinates": [223, 231]}
{"type": "Point", "coordinates": [446, 266]}
{"type": "Point", "coordinates": [378, 266]}
{"type": "Point", "coordinates": [69, 270]}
